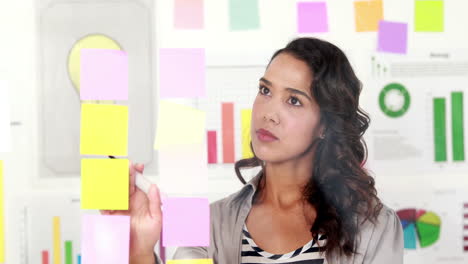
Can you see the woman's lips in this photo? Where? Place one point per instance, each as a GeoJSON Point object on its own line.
{"type": "Point", "coordinates": [265, 135]}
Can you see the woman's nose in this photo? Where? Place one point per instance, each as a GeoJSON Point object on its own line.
{"type": "Point", "coordinates": [271, 117]}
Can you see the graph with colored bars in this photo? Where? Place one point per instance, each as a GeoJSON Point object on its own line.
{"type": "Point", "coordinates": [465, 227]}
{"type": "Point", "coordinates": [51, 229]}
{"type": "Point", "coordinates": [231, 91]}
{"type": "Point", "coordinates": [56, 253]}
{"type": "Point", "coordinates": [378, 68]}
{"type": "Point", "coordinates": [457, 128]}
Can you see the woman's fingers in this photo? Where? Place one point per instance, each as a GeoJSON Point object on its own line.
{"type": "Point", "coordinates": [154, 202]}
{"type": "Point", "coordinates": [140, 167]}
{"type": "Point", "coordinates": [132, 173]}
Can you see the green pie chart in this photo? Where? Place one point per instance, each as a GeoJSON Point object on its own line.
{"type": "Point", "coordinates": [394, 100]}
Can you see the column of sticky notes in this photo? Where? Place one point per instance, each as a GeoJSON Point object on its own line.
{"type": "Point", "coordinates": [182, 140]}
{"type": "Point", "coordinates": [104, 134]}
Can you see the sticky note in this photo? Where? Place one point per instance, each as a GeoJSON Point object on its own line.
{"type": "Point", "coordinates": [227, 110]}
{"type": "Point", "coordinates": [312, 17]}
{"type": "Point", "coordinates": [190, 261]}
{"type": "Point", "coordinates": [182, 73]}
{"type": "Point", "coordinates": [243, 15]}
{"type": "Point", "coordinates": [392, 37]}
{"type": "Point", "coordinates": [246, 118]}
{"type": "Point", "coordinates": [212, 147]}
{"type": "Point", "coordinates": [367, 14]}
{"type": "Point", "coordinates": [429, 16]}
{"type": "Point", "coordinates": [104, 130]}
{"type": "Point", "coordinates": [2, 215]}
{"type": "Point", "coordinates": [179, 125]}
{"type": "Point", "coordinates": [184, 169]}
{"type": "Point", "coordinates": [5, 133]}
{"type": "Point", "coordinates": [186, 222]}
{"type": "Point", "coordinates": [105, 239]}
{"type": "Point", "coordinates": [104, 184]}
{"type": "Point", "coordinates": [188, 14]}
{"type": "Point", "coordinates": [103, 74]}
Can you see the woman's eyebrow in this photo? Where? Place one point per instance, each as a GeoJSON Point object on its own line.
{"type": "Point", "coordinates": [265, 81]}
{"type": "Point", "coordinates": [292, 90]}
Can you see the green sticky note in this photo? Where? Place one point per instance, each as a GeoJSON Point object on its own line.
{"type": "Point", "coordinates": [104, 184]}
{"type": "Point", "coordinates": [243, 14]}
{"type": "Point", "coordinates": [429, 16]}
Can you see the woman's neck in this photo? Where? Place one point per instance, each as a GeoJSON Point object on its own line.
{"type": "Point", "coordinates": [283, 184]}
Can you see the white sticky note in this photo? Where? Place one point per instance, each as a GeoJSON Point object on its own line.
{"type": "Point", "coordinates": [184, 169]}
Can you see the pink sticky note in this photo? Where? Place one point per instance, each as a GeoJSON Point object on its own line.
{"type": "Point", "coordinates": [181, 73]}
{"type": "Point", "coordinates": [312, 17]}
{"type": "Point", "coordinates": [188, 14]}
{"type": "Point", "coordinates": [392, 37]}
{"type": "Point", "coordinates": [186, 222]}
{"type": "Point", "coordinates": [105, 239]}
{"type": "Point", "coordinates": [103, 74]}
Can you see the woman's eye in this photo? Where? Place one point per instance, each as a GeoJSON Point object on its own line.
{"type": "Point", "coordinates": [294, 101]}
{"type": "Point", "coordinates": [264, 90]}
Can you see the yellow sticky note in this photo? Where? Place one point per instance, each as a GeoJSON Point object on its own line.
{"type": "Point", "coordinates": [367, 15]}
{"type": "Point", "coordinates": [429, 16]}
{"type": "Point", "coordinates": [104, 184]}
{"type": "Point", "coordinates": [56, 239]}
{"type": "Point", "coordinates": [246, 118]}
{"type": "Point", "coordinates": [179, 125]}
{"type": "Point", "coordinates": [104, 130]}
{"type": "Point", "coordinates": [190, 261]}
{"type": "Point", "coordinates": [2, 228]}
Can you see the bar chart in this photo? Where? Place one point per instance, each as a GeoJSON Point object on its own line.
{"type": "Point", "coordinates": [465, 227]}
{"type": "Point", "coordinates": [229, 111]}
{"type": "Point", "coordinates": [52, 229]}
{"type": "Point", "coordinates": [456, 127]}
{"type": "Point", "coordinates": [57, 249]}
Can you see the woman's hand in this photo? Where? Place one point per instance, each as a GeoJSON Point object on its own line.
{"type": "Point", "coordinates": [145, 217]}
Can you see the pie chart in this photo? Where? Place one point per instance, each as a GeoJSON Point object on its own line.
{"type": "Point", "coordinates": [394, 100]}
{"type": "Point", "coordinates": [419, 226]}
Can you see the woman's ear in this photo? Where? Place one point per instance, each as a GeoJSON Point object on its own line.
{"type": "Point", "coordinates": [321, 130]}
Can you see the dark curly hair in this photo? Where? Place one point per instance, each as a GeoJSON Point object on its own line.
{"type": "Point", "coordinates": [340, 189]}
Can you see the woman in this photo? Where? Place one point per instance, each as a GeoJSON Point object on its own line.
{"type": "Point", "coordinates": [312, 201]}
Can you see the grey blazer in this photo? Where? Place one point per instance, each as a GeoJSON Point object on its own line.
{"type": "Point", "coordinates": [381, 243]}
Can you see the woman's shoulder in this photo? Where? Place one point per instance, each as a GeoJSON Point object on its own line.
{"type": "Point", "coordinates": [381, 237]}
{"type": "Point", "coordinates": [386, 218]}
{"type": "Point", "coordinates": [234, 199]}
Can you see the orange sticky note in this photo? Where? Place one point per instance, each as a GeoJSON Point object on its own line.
{"type": "Point", "coordinates": [368, 14]}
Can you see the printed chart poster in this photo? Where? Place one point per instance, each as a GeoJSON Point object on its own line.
{"type": "Point", "coordinates": [432, 223]}
{"type": "Point", "coordinates": [418, 116]}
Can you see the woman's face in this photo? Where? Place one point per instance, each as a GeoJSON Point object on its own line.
{"type": "Point", "coordinates": [284, 106]}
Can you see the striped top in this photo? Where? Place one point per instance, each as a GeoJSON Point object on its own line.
{"type": "Point", "coordinates": [307, 254]}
